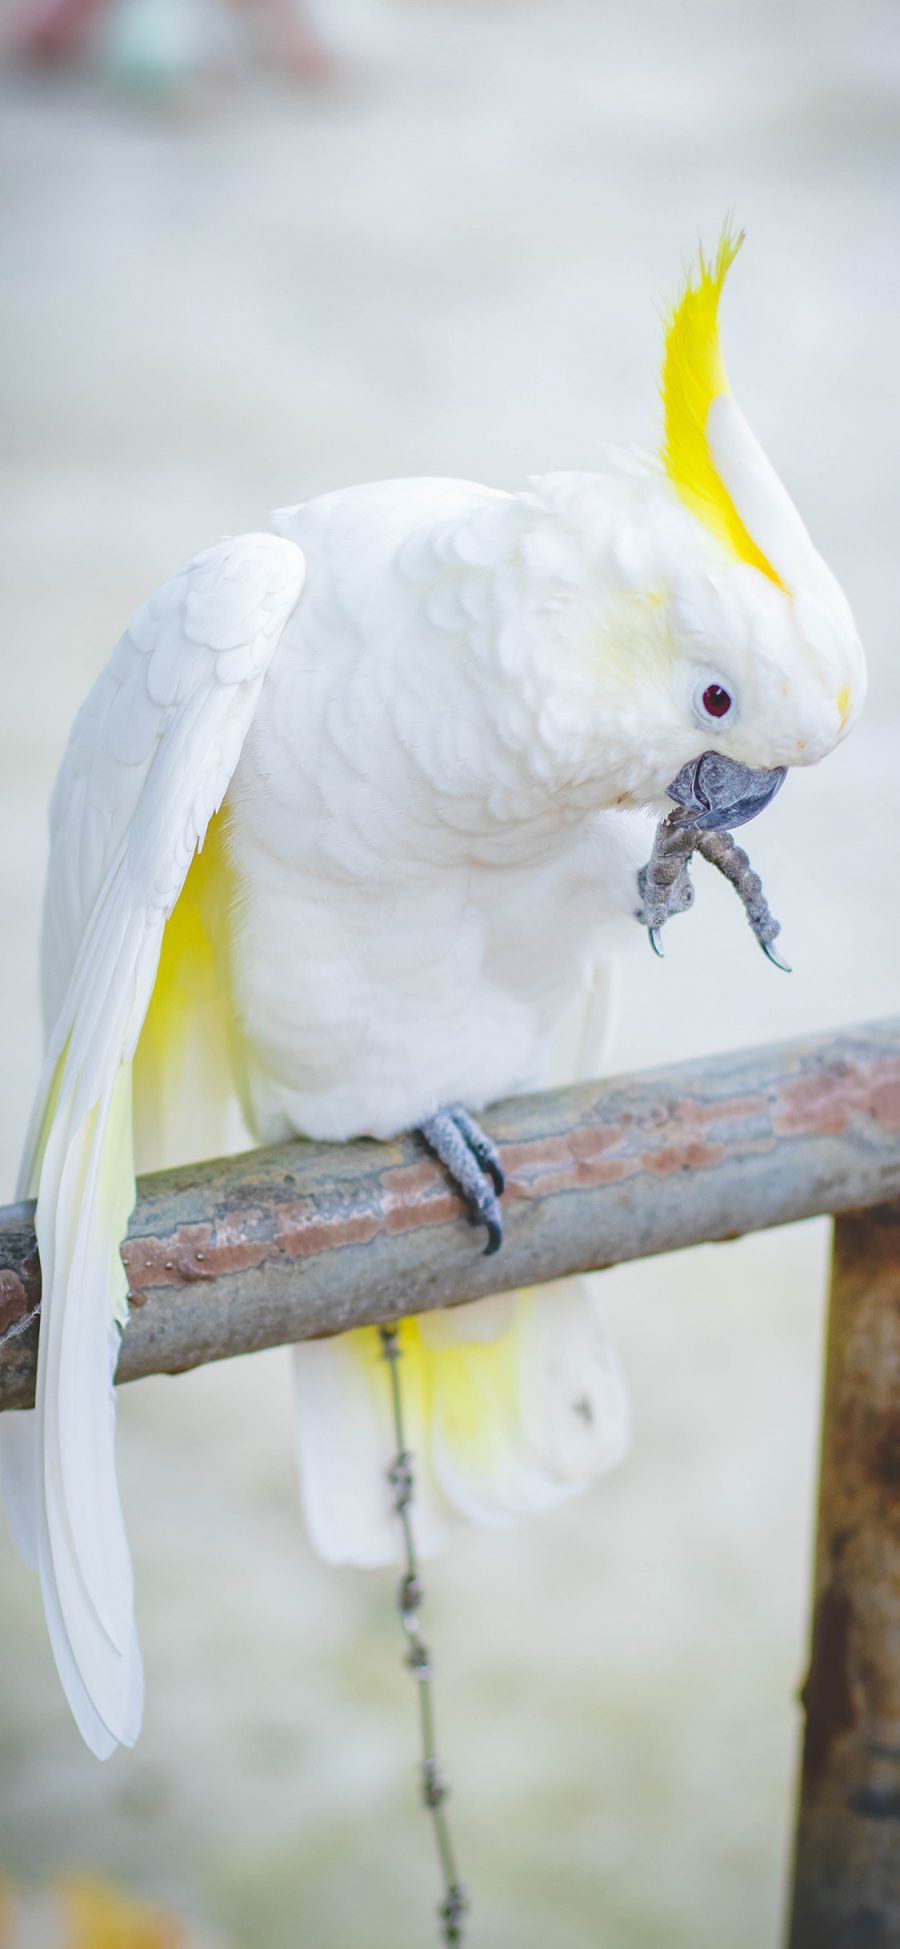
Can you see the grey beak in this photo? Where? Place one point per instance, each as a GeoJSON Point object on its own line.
{"type": "Point", "coordinates": [716, 791]}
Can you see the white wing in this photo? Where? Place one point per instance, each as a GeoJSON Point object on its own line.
{"type": "Point", "coordinates": [148, 764]}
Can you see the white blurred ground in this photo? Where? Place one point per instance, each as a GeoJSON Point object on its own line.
{"type": "Point", "coordinates": [448, 264]}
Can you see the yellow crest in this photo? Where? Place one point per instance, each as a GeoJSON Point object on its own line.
{"type": "Point", "coordinates": [693, 375]}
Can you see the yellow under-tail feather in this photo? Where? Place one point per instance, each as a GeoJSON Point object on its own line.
{"type": "Point", "coordinates": [693, 375]}
{"type": "Point", "coordinates": [473, 1382]}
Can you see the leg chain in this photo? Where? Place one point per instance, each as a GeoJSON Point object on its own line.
{"type": "Point", "coordinates": [401, 1476]}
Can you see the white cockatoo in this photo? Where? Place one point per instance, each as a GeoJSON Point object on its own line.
{"type": "Point", "coordinates": [341, 833]}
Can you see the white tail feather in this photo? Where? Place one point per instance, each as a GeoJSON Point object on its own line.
{"type": "Point", "coordinates": [572, 1393]}
{"type": "Point", "coordinates": [484, 1458]}
{"type": "Point", "coordinates": [346, 1444]}
{"type": "Point", "coordinates": [86, 1192]}
{"type": "Point", "coordinates": [504, 1419]}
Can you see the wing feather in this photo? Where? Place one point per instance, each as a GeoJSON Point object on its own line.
{"type": "Point", "coordinates": [150, 759]}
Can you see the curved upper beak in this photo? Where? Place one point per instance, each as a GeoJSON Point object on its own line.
{"type": "Point", "coordinates": [717, 791]}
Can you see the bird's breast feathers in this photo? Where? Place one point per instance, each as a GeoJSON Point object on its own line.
{"type": "Point", "coordinates": [419, 897]}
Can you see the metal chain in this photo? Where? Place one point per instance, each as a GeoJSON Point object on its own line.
{"type": "Point", "coordinates": [401, 1477]}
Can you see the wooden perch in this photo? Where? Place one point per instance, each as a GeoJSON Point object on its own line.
{"type": "Point", "coordinates": [310, 1239]}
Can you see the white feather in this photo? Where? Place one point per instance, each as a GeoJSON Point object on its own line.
{"type": "Point", "coordinates": [572, 1392]}
{"type": "Point", "coordinates": [150, 758]}
{"type": "Point", "coordinates": [346, 1444]}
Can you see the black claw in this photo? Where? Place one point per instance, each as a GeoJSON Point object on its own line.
{"type": "Point", "coordinates": [473, 1163]}
{"type": "Point", "coordinates": [497, 1176]}
{"type": "Point", "coordinates": [495, 1236]}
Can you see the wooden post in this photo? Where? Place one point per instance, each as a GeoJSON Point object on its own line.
{"type": "Point", "coordinates": [847, 1867]}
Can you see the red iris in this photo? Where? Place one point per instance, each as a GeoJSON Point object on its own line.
{"type": "Point", "coordinates": [716, 701]}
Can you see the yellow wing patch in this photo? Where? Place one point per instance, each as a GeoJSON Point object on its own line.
{"type": "Point", "coordinates": [189, 1052]}
{"type": "Point", "coordinates": [693, 375]}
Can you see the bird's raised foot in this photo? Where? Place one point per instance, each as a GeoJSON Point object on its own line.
{"type": "Point", "coordinates": [664, 884]}
{"type": "Point", "coordinates": [473, 1162]}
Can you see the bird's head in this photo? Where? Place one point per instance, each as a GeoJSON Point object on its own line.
{"type": "Point", "coordinates": [748, 654]}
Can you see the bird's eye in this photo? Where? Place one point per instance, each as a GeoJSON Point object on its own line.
{"type": "Point", "coordinates": [715, 701]}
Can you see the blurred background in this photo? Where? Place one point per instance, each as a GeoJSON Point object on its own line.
{"type": "Point", "coordinates": [251, 255]}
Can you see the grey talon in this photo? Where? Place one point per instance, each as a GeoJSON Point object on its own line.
{"type": "Point", "coordinates": [473, 1162]}
{"type": "Point", "coordinates": [664, 884]}
{"type": "Point", "coordinates": [731, 861]}
{"type": "Point", "coordinates": [495, 1236]}
{"type": "Point", "coordinates": [481, 1145]}
{"type": "Point", "coordinates": [775, 959]}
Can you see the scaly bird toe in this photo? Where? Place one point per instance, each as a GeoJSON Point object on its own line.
{"type": "Point", "coordinates": [473, 1163]}
{"type": "Point", "coordinates": [483, 1148]}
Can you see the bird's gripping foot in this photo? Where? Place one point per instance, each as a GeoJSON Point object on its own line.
{"type": "Point", "coordinates": [473, 1162]}
{"type": "Point", "coordinates": [665, 888]}
{"type": "Point", "coordinates": [712, 794]}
